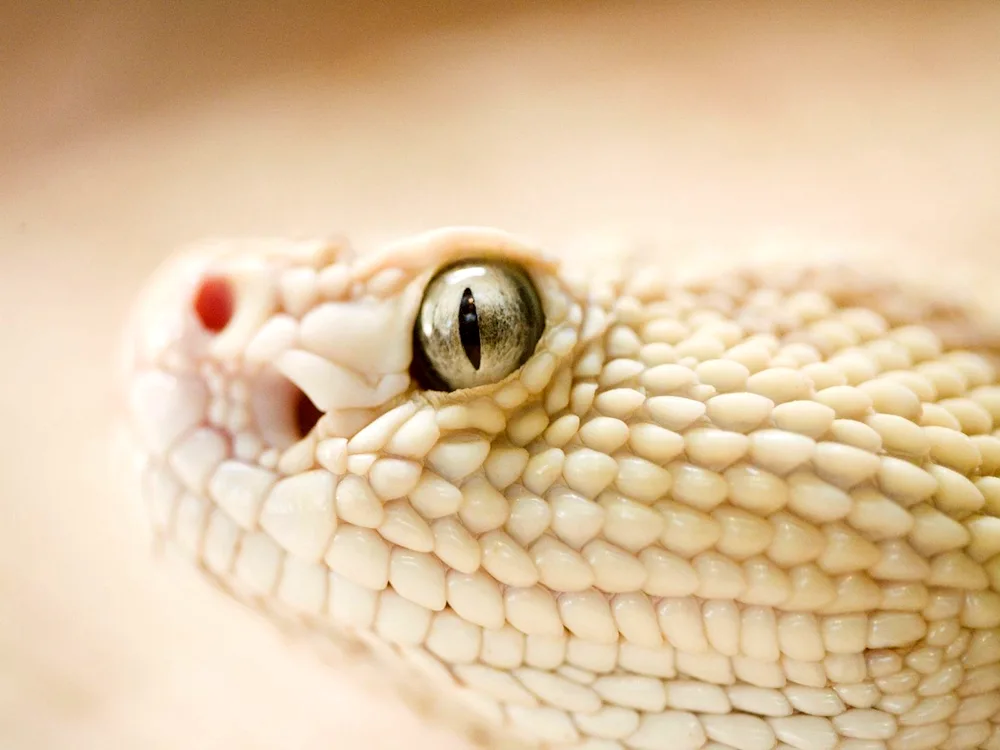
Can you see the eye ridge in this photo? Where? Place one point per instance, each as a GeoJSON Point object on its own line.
{"type": "Point", "coordinates": [468, 328]}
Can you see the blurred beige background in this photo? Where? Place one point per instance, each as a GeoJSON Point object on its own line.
{"type": "Point", "coordinates": [741, 132]}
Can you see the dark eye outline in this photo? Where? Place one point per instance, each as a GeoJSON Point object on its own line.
{"type": "Point", "coordinates": [422, 370]}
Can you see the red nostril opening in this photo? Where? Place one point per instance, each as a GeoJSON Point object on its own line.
{"type": "Point", "coordinates": [306, 414]}
{"type": "Point", "coordinates": [214, 303]}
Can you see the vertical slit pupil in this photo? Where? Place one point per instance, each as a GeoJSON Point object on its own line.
{"type": "Point", "coordinates": [468, 328]}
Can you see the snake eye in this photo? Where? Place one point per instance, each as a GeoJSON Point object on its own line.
{"type": "Point", "coordinates": [478, 322]}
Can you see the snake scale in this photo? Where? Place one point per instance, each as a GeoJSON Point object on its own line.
{"type": "Point", "coordinates": [758, 510]}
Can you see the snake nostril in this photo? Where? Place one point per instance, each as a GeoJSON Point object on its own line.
{"type": "Point", "coordinates": [213, 304]}
{"type": "Point", "coordinates": [306, 414]}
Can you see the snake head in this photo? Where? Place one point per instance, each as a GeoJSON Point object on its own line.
{"type": "Point", "coordinates": [306, 416]}
{"type": "Point", "coordinates": [742, 511]}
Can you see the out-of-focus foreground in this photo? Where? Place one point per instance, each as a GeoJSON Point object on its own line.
{"type": "Point", "coordinates": [780, 127]}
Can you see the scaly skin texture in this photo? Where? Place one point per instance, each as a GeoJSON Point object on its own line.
{"type": "Point", "coordinates": [755, 512]}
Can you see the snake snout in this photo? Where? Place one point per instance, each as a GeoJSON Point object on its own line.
{"type": "Point", "coordinates": [206, 332]}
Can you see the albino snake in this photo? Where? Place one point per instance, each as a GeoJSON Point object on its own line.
{"type": "Point", "coordinates": [758, 511]}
